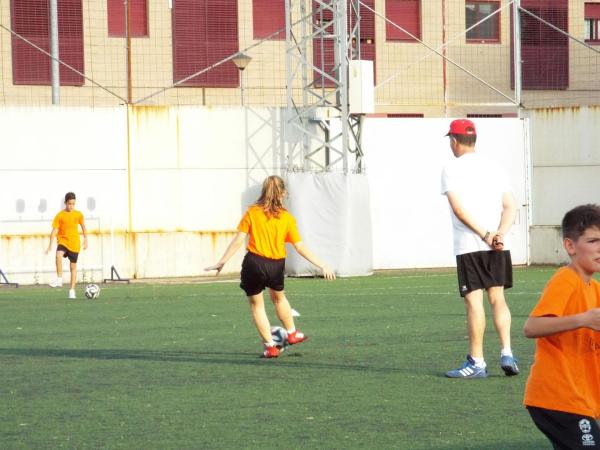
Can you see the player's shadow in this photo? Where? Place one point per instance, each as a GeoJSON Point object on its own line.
{"type": "Point", "coordinates": [217, 358]}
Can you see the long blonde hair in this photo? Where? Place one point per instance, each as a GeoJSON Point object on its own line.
{"type": "Point", "coordinates": [272, 196]}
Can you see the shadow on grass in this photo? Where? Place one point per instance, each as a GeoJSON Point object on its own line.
{"type": "Point", "coordinates": [232, 358]}
{"type": "Point", "coordinates": [537, 443]}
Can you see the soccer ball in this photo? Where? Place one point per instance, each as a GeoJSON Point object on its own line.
{"type": "Point", "coordinates": [279, 336]}
{"type": "Point", "coordinates": [92, 291]}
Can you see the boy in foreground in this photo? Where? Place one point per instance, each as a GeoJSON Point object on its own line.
{"type": "Point", "coordinates": [563, 390]}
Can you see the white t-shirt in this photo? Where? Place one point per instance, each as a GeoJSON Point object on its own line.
{"type": "Point", "coordinates": [479, 185]}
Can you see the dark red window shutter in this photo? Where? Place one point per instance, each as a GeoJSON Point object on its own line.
{"type": "Point", "coordinates": [204, 33]}
{"type": "Point", "coordinates": [31, 19]}
{"type": "Point", "coordinates": [323, 55]}
{"type": "Point", "coordinates": [592, 10]}
{"type": "Point", "coordinates": [405, 13]}
{"type": "Point", "coordinates": [268, 16]}
{"type": "Point", "coordinates": [70, 41]}
{"type": "Point", "coordinates": [544, 51]}
{"type": "Point", "coordinates": [138, 20]}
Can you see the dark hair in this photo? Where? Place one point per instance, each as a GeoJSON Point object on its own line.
{"type": "Point", "coordinates": [580, 219]}
{"type": "Point", "coordinates": [69, 196]}
{"type": "Point", "coordinates": [463, 139]}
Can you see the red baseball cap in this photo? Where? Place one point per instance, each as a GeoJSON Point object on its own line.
{"type": "Point", "coordinates": [463, 127]}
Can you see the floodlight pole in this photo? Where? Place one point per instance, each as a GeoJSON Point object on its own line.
{"type": "Point", "coordinates": [517, 63]}
{"type": "Point", "coordinates": [54, 64]}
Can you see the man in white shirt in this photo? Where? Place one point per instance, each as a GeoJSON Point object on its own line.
{"type": "Point", "coordinates": [483, 210]}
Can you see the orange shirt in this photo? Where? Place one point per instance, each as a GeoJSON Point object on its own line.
{"type": "Point", "coordinates": [565, 375]}
{"type": "Point", "coordinates": [68, 234]}
{"type": "Point", "coordinates": [268, 235]}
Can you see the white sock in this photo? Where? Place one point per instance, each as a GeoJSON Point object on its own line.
{"type": "Point", "coordinates": [291, 330]}
{"type": "Point", "coordinates": [506, 352]}
{"type": "Point", "coordinates": [270, 344]}
{"type": "Point", "coordinates": [479, 362]}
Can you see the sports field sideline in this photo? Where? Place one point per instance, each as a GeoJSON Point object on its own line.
{"type": "Point", "coordinates": [169, 365]}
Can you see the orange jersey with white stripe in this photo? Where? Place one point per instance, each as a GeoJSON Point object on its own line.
{"type": "Point", "coordinates": [268, 234]}
{"type": "Point", "coordinates": [67, 224]}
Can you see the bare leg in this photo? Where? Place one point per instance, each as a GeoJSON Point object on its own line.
{"type": "Point", "coordinates": [59, 258]}
{"type": "Point", "coordinates": [282, 308]}
{"type": "Point", "coordinates": [73, 267]}
{"type": "Point", "coordinates": [259, 315]}
{"type": "Point", "coordinates": [475, 322]}
{"type": "Point", "coordinates": [502, 317]}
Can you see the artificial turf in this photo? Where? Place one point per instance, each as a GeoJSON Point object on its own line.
{"type": "Point", "coordinates": [176, 366]}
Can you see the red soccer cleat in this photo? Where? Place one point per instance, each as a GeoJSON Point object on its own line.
{"type": "Point", "coordinates": [296, 337]}
{"type": "Point", "coordinates": [270, 352]}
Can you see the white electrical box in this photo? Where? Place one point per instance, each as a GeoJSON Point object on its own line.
{"type": "Point", "coordinates": [361, 89]}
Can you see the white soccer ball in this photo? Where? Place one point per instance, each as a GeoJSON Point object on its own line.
{"type": "Point", "coordinates": [92, 291]}
{"type": "Point", "coordinates": [280, 337]}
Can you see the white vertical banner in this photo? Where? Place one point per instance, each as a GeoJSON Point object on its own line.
{"type": "Point", "coordinates": [333, 214]}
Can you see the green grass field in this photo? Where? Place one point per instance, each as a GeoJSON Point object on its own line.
{"type": "Point", "coordinates": [175, 366]}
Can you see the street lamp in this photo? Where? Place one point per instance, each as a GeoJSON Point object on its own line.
{"type": "Point", "coordinates": [241, 60]}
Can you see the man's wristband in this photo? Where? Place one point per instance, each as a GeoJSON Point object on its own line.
{"type": "Point", "coordinates": [487, 235]}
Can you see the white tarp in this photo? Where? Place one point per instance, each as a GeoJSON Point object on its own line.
{"type": "Point", "coordinates": [333, 215]}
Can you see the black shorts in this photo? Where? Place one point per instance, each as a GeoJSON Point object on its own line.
{"type": "Point", "coordinates": [259, 272]}
{"type": "Point", "coordinates": [566, 430]}
{"type": "Point", "coordinates": [68, 253]}
{"type": "Point", "coordinates": [482, 270]}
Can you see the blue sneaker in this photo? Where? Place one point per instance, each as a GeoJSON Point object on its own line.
{"type": "Point", "coordinates": [468, 370]}
{"type": "Point", "coordinates": [509, 365]}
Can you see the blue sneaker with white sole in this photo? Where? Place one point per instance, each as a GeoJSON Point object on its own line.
{"type": "Point", "coordinates": [509, 365]}
{"type": "Point", "coordinates": [468, 370]}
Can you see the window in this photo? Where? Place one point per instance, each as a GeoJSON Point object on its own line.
{"type": "Point", "coordinates": [406, 14]}
{"type": "Point", "coordinates": [544, 50]}
{"type": "Point", "coordinates": [31, 19]}
{"type": "Point", "coordinates": [406, 115]}
{"type": "Point", "coordinates": [592, 21]}
{"type": "Point", "coordinates": [204, 33]}
{"type": "Point", "coordinates": [268, 16]}
{"type": "Point", "coordinates": [138, 20]}
{"type": "Point", "coordinates": [323, 56]}
{"type": "Point", "coordinates": [488, 30]}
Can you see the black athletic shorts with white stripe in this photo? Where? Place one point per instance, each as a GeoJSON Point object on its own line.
{"type": "Point", "coordinates": [566, 431]}
{"type": "Point", "coordinates": [482, 270]}
{"type": "Point", "coordinates": [259, 273]}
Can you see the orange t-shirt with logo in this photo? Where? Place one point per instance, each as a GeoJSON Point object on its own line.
{"type": "Point", "coordinates": [68, 234]}
{"type": "Point", "coordinates": [565, 375]}
{"type": "Point", "coordinates": [268, 234]}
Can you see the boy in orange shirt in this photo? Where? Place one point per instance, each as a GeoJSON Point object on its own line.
{"type": "Point", "coordinates": [269, 226]}
{"type": "Point", "coordinates": [563, 390]}
{"type": "Point", "coordinates": [64, 228]}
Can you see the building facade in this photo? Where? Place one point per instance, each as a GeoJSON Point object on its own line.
{"type": "Point", "coordinates": [431, 59]}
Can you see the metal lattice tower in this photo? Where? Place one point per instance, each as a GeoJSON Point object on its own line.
{"type": "Point", "coordinates": [320, 133]}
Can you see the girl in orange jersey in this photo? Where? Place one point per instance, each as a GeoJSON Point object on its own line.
{"type": "Point", "coordinates": [64, 229]}
{"type": "Point", "coordinates": [269, 226]}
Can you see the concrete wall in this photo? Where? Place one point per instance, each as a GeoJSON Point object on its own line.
{"type": "Point", "coordinates": [163, 188]}
{"type": "Point", "coordinates": [162, 199]}
{"type": "Point", "coordinates": [565, 172]}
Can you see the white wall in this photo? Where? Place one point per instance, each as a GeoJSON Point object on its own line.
{"type": "Point", "coordinates": [168, 195]}
{"type": "Point", "coordinates": [566, 173]}
{"type": "Point", "coordinates": [191, 174]}
{"type": "Point", "coordinates": [411, 219]}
